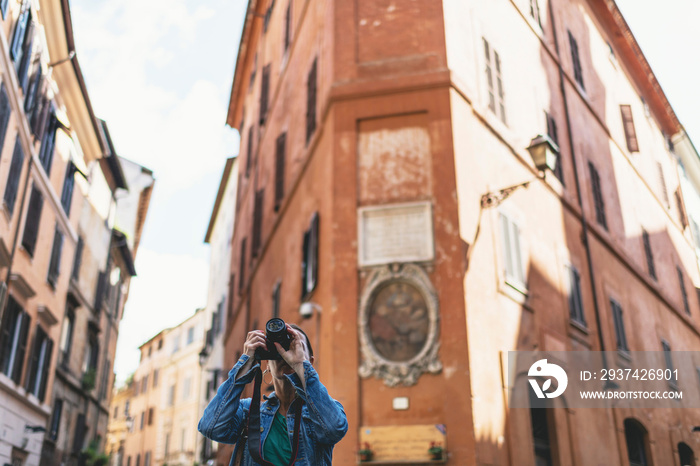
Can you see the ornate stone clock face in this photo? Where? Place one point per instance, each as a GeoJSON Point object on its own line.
{"type": "Point", "coordinates": [398, 321]}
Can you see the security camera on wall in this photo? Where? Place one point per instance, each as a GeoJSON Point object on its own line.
{"type": "Point", "coordinates": [306, 309]}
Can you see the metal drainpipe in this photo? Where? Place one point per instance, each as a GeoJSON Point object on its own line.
{"type": "Point", "coordinates": [584, 223]}
{"type": "Point", "coordinates": [16, 238]}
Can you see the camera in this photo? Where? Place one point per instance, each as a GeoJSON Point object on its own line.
{"type": "Point", "coordinates": [275, 332]}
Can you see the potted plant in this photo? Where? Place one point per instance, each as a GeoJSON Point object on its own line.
{"type": "Point", "coordinates": [88, 381]}
{"type": "Point", "coordinates": [365, 452]}
{"type": "Point", "coordinates": [436, 451]}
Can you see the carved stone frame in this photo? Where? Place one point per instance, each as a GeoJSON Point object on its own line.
{"type": "Point", "coordinates": [373, 364]}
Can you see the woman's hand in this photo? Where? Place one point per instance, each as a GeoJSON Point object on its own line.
{"type": "Point", "coordinates": [296, 355]}
{"type": "Point", "coordinates": [255, 340]}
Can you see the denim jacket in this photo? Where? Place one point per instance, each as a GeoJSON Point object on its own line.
{"type": "Point", "coordinates": [323, 422]}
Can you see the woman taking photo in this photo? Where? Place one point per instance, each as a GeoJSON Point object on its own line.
{"type": "Point", "coordinates": [282, 433]}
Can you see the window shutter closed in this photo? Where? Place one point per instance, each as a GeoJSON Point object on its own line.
{"type": "Point", "coordinates": [21, 346]}
{"type": "Point", "coordinates": [48, 143]}
{"type": "Point", "coordinates": [598, 201]}
{"type": "Point", "coordinates": [13, 177]}
{"type": "Point", "coordinates": [264, 94]}
{"type": "Point", "coordinates": [249, 152]}
{"type": "Point", "coordinates": [33, 373]}
{"type": "Point", "coordinates": [79, 437]}
{"type": "Point", "coordinates": [649, 254]}
{"type": "Point", "coordinates": [662, 184]}
{"type": "Point", "coordinates": [30, 99]}
{"type": "Point", "coordinates": [100, 292]}
{"type": "Point", "coordinates": [31, 226]}
{"type": "Point", "coordinates": [576, 60]}
{"type": "Point", "coordinates": [241, 268]}
{"type": "Point", "coordinates": [288, 26]}
{"type": "Point", "coordinates": [54, 265]}
{"type": "Point", "coordinates": [311, 102]}
{"type": "Point", "coordinates": [45, 369]}
{"type": "Point", "coordinates": [257, 222]}
{"type": "Point", "coordinates": [304, 263]}
{"type": "Point", "coordinates": [628, 125]}
{"type": "Point", "coordinates": [681, 208]}
{"type": "Point", "coordinates": [5, 112]}
{"type": "Point", "coordinates": [18, 36]}
{"type": "Point", "coordinates": [78, 259]}
{"type": "Point", "coordinates": [313, 260]}
{"type": "Point", "coordinates": [23, 68]}
{"type": "Point", "coordinates": [684, 293]}
{"type": "Point", "coordinates": [6, 334]}
{"type": "Point", "coordinates": [68, 183]}
{"type": "Point", "coordinates": [280, 149]}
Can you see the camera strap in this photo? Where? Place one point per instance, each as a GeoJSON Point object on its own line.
{"type": "Point", "coordinates": [254, 431]}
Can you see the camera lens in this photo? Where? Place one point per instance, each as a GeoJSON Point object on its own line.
{"type": "Point", "coordinates": [275, 325]}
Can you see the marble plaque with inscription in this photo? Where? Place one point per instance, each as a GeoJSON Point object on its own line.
{"type": "Point", "coordinates": [395, 233]}
{"type": "Point", "coordinates": [403, 443]}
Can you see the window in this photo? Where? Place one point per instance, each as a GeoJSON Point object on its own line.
{"type": "Point", "coordinates": [576, 60]}
{"type": "Point", "coordinates": [666, 347]}
{"type": "Point", "coordinates": [150, 416]}
{"type": "Point", "coordinates": [160, 344]}
{"type": "Point", "coordinates": [311, 101]}
{"type": "Point", "coordinates": [649, 254]}
{"type": "Point", "coordinates": [598, 201]}
{"type": "Point", "coordinates": [535, 11]}
{"type": "Point", "coordinates": [241, 267]}
{"type": "Point", "coordinates": [628, 126]}
{"type": "Point", "coordinates": [575, 297]}
{"type": "Point", "coordinates": [539, 422]}
{"type": "Point", "coordinates": [167, 445]}
{"type": "Point", "coordinates": [635, 435]}
{"type": "Point", "coordinates": [682, 217]}
{"type": "Point", "coordinates": [67, 193]}
{"type": "Point", "coordinates": [155, 378]}
{"type": "Point", "coordinates": [20, 32]}
{"type": "Point", "coordinates": [147, 459]}
{"type": "Point", "coordinates": [48, 142]}
{"type": "Point", "coordinates": [552, 133]}
{"type": "Point", "coordinates": [55, 264]}
{"type": "Point", "coordinates": [138, 460]}
{"type": "Point", "coordinates": [620, 335]}
{"type": "Point", "coordinates": [176, 343]}
{"type": "Point", "coordinates": [24, 59]}
{"type": "Point", "coordinates": [144, 384]}
{"type": "Point", "coordinates": [31, 97]}
{"type": "Point", "coordinates": [686, 454]}
{"type": "Point", "coordinates": [268, 15]}
{"type": "Point", "coordinates": [78, 259]}
{"type": "Point", "coordinates": [253, 72]}
{"type": "Point", "coordinates": [276, 299]}
{"type": "Point", "coordinates": [257, 222]}
{"type": "Point", "coordinates": [67, 334]}
{"type": "Point", "coordinates": [288, 26]}
{"type": "Point", "coordinates": [13, 340]}
{"type": "Point", "coordinates": [56, 419]}
{"type": "Point", "coordinates": [264, 94]}
{"type": "Point", "coordinates": [91, 354]}
{"type": "Point", "coordinates": [5, 112]}
{"type": "Point", "coordinates": [696, 232]}
{"type": "Point", "coordinates": [190, 335]}
{"type": "Point", "coordinates": [280, 153]}
{"type": "Point", "coordinates": [171, 395]}
{"type": "Point", "coordinates": [512, 254]}
{"type": "Point", "coordinates": [309, 258]}
{"type": "Point", "coordinates": [39, 364]}
{"type": "Point", "coordinates": [143, 417]}
{"type": "Point", "coordinates": [12, 186]}
{"type": "Point", "coordinates": [31, 225]}
{"type": "Point", "coordinates": [79, 435]}
{"type": "Point", "coordinates": [684, 293]}
{"type": "Point", "coordinates": [494, 81]}
{"type": "Point", "coordinates": [249, 152]}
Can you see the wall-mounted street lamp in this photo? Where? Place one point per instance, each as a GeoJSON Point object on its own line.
{"type": "Point", "coordinates": [545, 154]}
{"type": "Point", "coordinates": [203, 356]}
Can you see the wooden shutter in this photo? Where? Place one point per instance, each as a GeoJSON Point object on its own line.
{"type": "Point", "coordinates": [249, 152]}
{"type": "Point", "coordinates": [79, 436]}
{"type": "Point", "coordinates": [304, 262]}
{"type": "Point", "coordinates": [649, 254]}
{"type": "Point", "coordinates": [23, 69]}
{"type": "Point", "coordinates": [13, 177]}
{"type": "Point", "coordinates": [575, 58]}
{"type": "Point", "coordinates": [31, 225]}
{"type": "Point", "coordinates": [257, 222]}
{"type": "Point", "coordinates": [681, 208]}
{"type": "Point", "coordinates": [67, 192]}
{"type": "Point", "coordinates": [598, 200]}
{"type": "Point", "coordinates": [280, 151]}
{"type": "Point", "coordinates": [575, 301]}
{"type": "Point", "coordinates": [264, 94]}
{"type": "Point", "coordinates": [100, 291]}
{"type": "Point", "coordinates": [499, 85]}
{"type": "Point", "coordinates": [554, 136]}
{"type": "Point", "coordinates": [56, 419]}
{"type": "Point", "coordinates": [5, 112]}
{"type": "Point", "coordinates": [619, 326]}
{"type": "Point", "coordinates": [18, 35]}
{"type": "Point", "coordinates": [313, 251]}
{"type": "Point", "coordinates": [489, 75]}
{"type": "Point", "coordinates": [288, 26]}
{"type": "Point", "coordinates": [30, 98]}
{"type": "Point", "coordinates": [684, 294]}
{"type": "Point", "coordinates": [241, 267]}
{"type": "Point", "coordinates": [311, 101]}
{"type": "Point", "coordinates": [55, 263]}
{"type": "Point", "coordinates": [78, 259]}
{"type": "Point", "coordinates": [45, 369]}
{"type": "Point", "coordinates": [48, 143]}
{"type": "Point", "coordinates": [9, 318]}
{"type": "Point", "coordinates": [662, 184]}
{"type": "Point", "coordinates": [628, 125]}
{"type": "Point", "coordinates": [33, 366]}
{"type": "Point", "coordinates": [21, 346]}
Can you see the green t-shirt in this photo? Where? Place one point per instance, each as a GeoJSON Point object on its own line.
{"type": "Point", "coordinates": [277, 448]}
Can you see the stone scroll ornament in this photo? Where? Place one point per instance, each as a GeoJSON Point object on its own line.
{"type": "Point", "coordinates": [399, 325]}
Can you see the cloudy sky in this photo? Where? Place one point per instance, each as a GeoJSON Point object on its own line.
{"type": "Point", "coordinates": [160, 71]}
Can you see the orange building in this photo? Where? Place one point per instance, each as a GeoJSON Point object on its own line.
{"type": "Point", "coordinates": [377, 138]}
